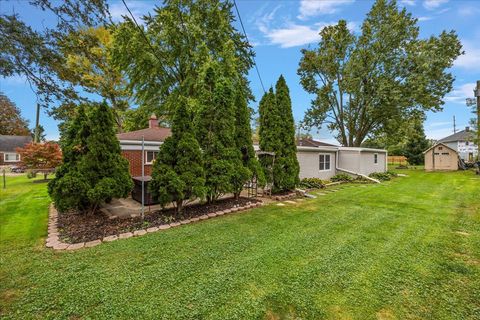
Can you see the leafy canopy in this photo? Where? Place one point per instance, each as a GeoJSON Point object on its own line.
{"type": "Point", "coordinates": [11, 120]}
{"type": "Point", "coordinates": [369, 84]}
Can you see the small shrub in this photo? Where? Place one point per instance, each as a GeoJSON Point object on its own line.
{"type": "Point", "coordinates": [341, 177]}
{"type": "Point", "coordinates": [382, 176]}
{"type": "Point", "coordinates": [312, 183]}
{"type": "Point", "coordinates": [392, 174]}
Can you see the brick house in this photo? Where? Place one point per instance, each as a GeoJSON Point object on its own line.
{"type": "Point", "coordinates": [131, 146]}
{"type": "Point", "coordinates": [8, 148]}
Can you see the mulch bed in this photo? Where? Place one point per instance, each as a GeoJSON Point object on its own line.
{"type": "Point", "coordinates": [74, 228]}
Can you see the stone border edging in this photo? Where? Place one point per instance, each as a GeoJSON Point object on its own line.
{"type": "Point", "coordinates": [54, 242]}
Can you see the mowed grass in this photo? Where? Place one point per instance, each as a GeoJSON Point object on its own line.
{"type": "Point", "coordinates": [405, 249]}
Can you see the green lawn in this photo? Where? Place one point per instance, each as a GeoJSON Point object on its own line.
{"type": "Point", "coordinates": [405, 249]}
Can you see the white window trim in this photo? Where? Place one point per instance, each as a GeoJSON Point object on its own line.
{"type": "Point", "coordinates": [150, 163]}
{"type": "Point", "coordinates": [375, 155]}
{"type": "Point", "coordinates": [11, 153]}
{"type": "Point", "coordinates": [329, 162]}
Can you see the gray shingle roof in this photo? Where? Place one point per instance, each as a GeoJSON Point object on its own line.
{"type": "Point", "coordinates": [463, 135]}
{"type": "Point", "coordinates": [307, 142]}
{"type": "Point", "coordinates": [10, 143]}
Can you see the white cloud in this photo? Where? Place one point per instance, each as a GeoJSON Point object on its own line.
{"type": "Point", "coordinates": [408, 2]}
{"type": "Point", "coordinates": [309, 8]}
{"type": "Point", "coordinates": [471, 59]}
{"type": "Point", "coordinates": [433, 4]}
{"type": "Point", "coordinates": [425, 18]}
{"type": "Point", "coordinates": [459, 94]}
{"type": "Point", "coordinates": [294, 35]}
{"type": "Point", "coordinates": [138, 9]}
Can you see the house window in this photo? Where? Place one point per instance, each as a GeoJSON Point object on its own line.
{"type": "Point", "coordinates": [11, 157]}
{"type": "Point", "coordinates": [440, 148]}
{"type": "Point", "coordinates": [445, 153]}
{"type": "Point", "coordinates": [324, 162]}
{"type": "Point", "coordinates": [150, 156]}
{"type": "Point", "coordinates": [375, 158]}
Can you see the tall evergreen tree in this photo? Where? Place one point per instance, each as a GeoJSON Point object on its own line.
{"type": "Point", "coordinates": [286, 167]}
{"type": "Point", "coordinates": [277, 134]}
{"type": "Point", "coordinates": [417, 144]}
{"type": "Point", "coordinates": [215, 131]}
{"type": "Point", "coordinates": [268, 133]}
{"type": "Point", "coordinates": [249, 166]}
{"type": "Point", "coordinates": [178, 174]}
{"type": "Point", "coordinates": [94, 170]}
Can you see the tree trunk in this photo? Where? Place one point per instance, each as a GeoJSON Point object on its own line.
{"type": "Point", "coordinates": [179, 206]}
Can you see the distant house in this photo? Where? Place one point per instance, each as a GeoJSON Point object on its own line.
{"type": "Point", "coordinates": [131, 146]}
{"type": "Point", "coordinates": [462, 143]}
{"type": "Point", "coordinates": [8, 147]}
{"type": "Point", "coordinates": [441, 157]}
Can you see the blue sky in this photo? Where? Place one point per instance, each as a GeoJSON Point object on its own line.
{"type": "Point", "coordinates": [279, 29]}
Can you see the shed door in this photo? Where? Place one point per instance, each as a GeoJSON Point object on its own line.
{"type": "Point", "coordinates": [442, 158]}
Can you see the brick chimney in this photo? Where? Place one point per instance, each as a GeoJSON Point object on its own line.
{"type": "Point", "coordinates": [467, 129]}
{"type": "Point", "coordinates": [153, 122]}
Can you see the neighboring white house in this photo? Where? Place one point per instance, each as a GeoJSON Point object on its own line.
{"type": "Point", "coordinates": [8, 148]}
{"type": "Point", "coordinates": [462, 142]}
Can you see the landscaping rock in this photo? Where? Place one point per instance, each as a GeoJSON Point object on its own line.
{"type": "Point", "coordinates": [212, 215]}
{"type": "Point", "coordinates": [125, 235]}
{"type": "Point", "coordinates": [185, 221]}
{"type": "Point", "coordinates": [203, 217]}
{"type": "Point", "coordinates": [220, 213]}
{"type": "Point", "coordinates": [227, 211]}
{"type": "Point", "coordinates": [110, 238]}
{"type": "Point", "coordinates": [152, 229]}
{"type": "Point", "coordinates": [194, 219]}
{"type": "Point", "coordinates": [93, 243]}
{"type": "Point", "coordinates": [175, 224]}
{"type": "Point", "coordinates": [76, 246]}
{"type": "Point", "coordinates": [141, 232]}
{"type": "Point", "coordinates": [290, 201]}
{"type": "Point", "coordinates": [60, 246]}
{"type": "Point", "coordinates": [164, 227]}
{"type": "Point", "coordinates": [280, 204]}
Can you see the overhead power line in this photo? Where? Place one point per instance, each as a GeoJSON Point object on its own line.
{"type": "Point", "coordinates": [246, 37]}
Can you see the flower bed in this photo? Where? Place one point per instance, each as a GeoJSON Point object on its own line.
{"type": "Point", "coordinates": [74, 231]}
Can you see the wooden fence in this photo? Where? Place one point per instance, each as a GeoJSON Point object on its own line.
{"type": "Point", "coordinates": [397, 160]}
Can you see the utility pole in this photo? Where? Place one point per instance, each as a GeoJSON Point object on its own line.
{"type": "Point", "coordinates": [37, 123]}
{"type": "Point", "coordinates": [454, 125]}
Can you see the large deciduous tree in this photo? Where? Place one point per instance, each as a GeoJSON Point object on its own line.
{"type": "Point", "coordinates": [178, 174]}
{"type": "Point", "coordinates": [35, 53]}
{"type": "Point", "coordinates": [93, 171]}
{"type": "Point", "coordinates": [88, 64]}
{"type": "Point", "coordinates": [11, 120]}
{"type": "Point", "coordinates": [163, 60]}
{"type": "Point", "coordinates": [368, 84]}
